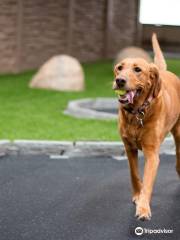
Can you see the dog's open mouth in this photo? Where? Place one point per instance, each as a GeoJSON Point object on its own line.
{"type": "Point", "coordinates": [128, 96]}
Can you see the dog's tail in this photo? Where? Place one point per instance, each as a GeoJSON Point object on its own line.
{"type": "Point", "coordinates": [159, 59]}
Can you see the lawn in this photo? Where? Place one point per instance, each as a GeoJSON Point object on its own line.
{"type": "Point", "coordinates": [38, 114]}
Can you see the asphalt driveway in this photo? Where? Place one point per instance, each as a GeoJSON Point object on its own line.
{"type": "Point", "coordinates": [85, 198]}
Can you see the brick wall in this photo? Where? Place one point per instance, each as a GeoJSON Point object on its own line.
{"type": "Point", "coordinates": [122, 26]}
{"type": "Point", "coordinates": [169, 37]}
{"type": "Point", "coordinates": [8, 35]}
{"type": "Point", "coordinates": [44, 31]}
{"type": "Point", "coordinates": [88, 29]}
{"type": "Point", "coordinates": [31, 31]}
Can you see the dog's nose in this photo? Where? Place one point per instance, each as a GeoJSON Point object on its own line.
{"type": "Point", "coordinates": [120, 82]}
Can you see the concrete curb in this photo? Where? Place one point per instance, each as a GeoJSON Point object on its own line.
{"type": "Point", "coordinates": [69, 148]}
{"type": "Point", "coordinates": [36, 147]}
{"type": "Point", "coordinates": [4, 145]}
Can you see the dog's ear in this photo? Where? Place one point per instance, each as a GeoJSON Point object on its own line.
{"type": "Point", "coordinates": [155, 79]}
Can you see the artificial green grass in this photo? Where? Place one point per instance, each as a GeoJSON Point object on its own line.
{"type": "Point", "coordinates": [38, 114]}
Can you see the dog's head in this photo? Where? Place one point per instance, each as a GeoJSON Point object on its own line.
{"type": "Point", "coordinates": [137, 78]}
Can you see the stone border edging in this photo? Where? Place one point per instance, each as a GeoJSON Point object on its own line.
{"type": "Point", "coordinates": [83, 108]}
{"type": "Point", "coordinates": [72, 149]}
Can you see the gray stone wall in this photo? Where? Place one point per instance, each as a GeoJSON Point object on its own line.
{"type": "Point", "coordinates": [32, 31]}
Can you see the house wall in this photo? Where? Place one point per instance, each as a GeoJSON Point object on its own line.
{"type": "Point", "coordinates": [32, 31]}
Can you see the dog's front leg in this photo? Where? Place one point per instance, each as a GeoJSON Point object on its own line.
{"type": "Point", "coordinates": [132, 155]}
{"type": "Point", "coordinates": [143, 210]}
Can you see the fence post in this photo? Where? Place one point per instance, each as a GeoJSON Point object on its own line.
{"type": "Point", "coordinates": [70, 25]}
{"type": "Point", "coordinates": [109, 26]}
{"type": "Point", "coordinates": [19, 26]}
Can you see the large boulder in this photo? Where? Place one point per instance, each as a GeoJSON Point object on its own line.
{"type": "Point", "coordinates": [132, 52]}
{"type": "Point", "coordinates": [62, 72]}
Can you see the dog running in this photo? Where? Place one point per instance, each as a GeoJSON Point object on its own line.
{"type": "Point", "coordinates": [149, 109]}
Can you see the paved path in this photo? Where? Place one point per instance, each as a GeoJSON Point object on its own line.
{"type": "Point", "coordinates": [43, 198]}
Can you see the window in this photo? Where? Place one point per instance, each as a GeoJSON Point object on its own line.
{"type": "Point", "coordinates": [160, 12]}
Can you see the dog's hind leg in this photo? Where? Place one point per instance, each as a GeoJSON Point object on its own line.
{"type": "Point", "coordinates": [176, 134]}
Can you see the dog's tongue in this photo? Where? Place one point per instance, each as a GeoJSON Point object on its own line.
{"type": "Point", "coordinates": [127, 98]}
{"type": "Point", "coordinates": [130, 96]}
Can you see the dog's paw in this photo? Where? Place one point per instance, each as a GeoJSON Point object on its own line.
{"type": "Point", "coordinates": [143, 211]}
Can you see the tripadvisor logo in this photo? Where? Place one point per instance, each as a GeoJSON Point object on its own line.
{"type": "Point", "coordinates": [139, 231]}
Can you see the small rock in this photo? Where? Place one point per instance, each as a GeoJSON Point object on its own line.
{"type": "Point", "coordinates": [62, 72]}
{"type": "Point", "coordinates": [132, 52]}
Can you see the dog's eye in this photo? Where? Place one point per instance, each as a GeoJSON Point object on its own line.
{"type": "Point", "coordinates": [137, 69]}
{"type": "Point", "coordinates": [119, 68]}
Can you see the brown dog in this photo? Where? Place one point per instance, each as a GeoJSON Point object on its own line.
{"type": "Point", "coordinates": [149, 109]}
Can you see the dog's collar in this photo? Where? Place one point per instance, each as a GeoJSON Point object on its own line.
{"type": "Point", "coordinates": [139, 112]}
